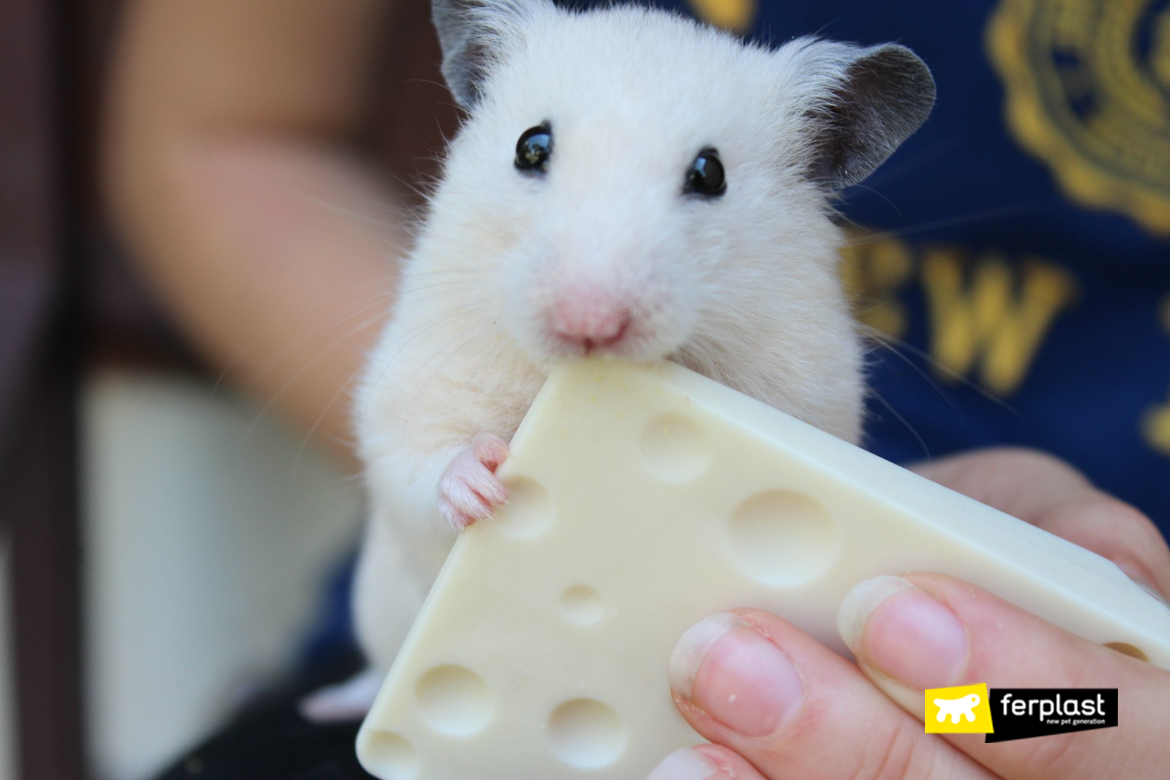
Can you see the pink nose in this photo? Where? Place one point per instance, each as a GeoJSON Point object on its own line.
{"type": "Point", "coordinates": [590, 319]}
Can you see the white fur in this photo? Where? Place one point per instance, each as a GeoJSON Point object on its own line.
{"type": "Point", "coordinates": [742, 288]}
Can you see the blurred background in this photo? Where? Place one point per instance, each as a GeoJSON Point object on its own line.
{"type": "Point", "coordinates": [163, 537]}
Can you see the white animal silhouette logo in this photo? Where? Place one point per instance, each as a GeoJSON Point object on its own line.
{"type": "Point", "coordinates": [964, 706]}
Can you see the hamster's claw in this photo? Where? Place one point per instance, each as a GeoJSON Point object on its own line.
{"type": "Point", "coordinates": [469, 489]}
{"type": "Point", "coordinates": [346, 701]}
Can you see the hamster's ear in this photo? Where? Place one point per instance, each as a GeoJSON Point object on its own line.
{"type": "Point", "coordinates": [864, 103]}
{"type": "Point", "coordinates": [471, 33]}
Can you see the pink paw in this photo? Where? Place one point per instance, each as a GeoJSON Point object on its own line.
{"type": "Point", "coordinates": [469, 489]}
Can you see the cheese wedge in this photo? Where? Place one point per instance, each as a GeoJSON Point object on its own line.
{"type": "Point", "coordinates": [646, 498]}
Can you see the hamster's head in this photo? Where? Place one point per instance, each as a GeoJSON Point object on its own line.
{"type": "Point", "coordinates": [632, 183]}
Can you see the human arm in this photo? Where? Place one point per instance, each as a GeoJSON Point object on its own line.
{"type": "Point", "coordinates": [229, 125]}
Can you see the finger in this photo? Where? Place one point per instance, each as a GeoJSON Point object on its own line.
{"type": "Point", "coordinates": [1021, 482]}
{"type": "Point", "coordinates": [730, 763]}
{"type": "Point", "coordinates": [1115, 530]}
{"type": "Point", "coordinates": [755, 684]}
{"type": "Point", "coordinates": [1052, 495]}
{"type": "Point", "coordinates": [931, 631]}
{"type": "Point", "coordinates": [706, 762]}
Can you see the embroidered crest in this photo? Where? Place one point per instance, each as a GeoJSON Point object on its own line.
{"type": "Point", "coordinates": [1088, 92]}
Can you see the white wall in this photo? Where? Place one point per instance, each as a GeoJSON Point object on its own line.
{"type": "Point", "coordinates": [205, 550]}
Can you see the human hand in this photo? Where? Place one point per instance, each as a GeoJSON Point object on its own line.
{"type": "Point", "coordinates": [776, 704]}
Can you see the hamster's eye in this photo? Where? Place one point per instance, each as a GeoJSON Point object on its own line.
{"type": "Point", "coordinates": [705, 176]}
{"type": "Point", "coordinates": [534, 148]}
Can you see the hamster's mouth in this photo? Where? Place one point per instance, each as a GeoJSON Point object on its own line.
{"type": "Point", "coordinates": [630, 342]}
{"type": "Point", "coordinates": [603, 326]}
{"type": "Point", "coordinates": [606, 343]}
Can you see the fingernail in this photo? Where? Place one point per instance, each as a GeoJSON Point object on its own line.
{"type": "Point", "coordinates": [685, 764]}
{"type": "Point", "coordinates": [692, 647]}
{"type": "Point", "coordinates": [726, 668]}
{"type": "Point", "coordinates": [1142, 582]}
{"type": "Point", "coordinates": [899, 629]}
{"type": "Point", "coordinates": [1150, 589]}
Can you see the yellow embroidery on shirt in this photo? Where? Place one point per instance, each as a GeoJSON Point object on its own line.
{"type": "Point", "coordinates": [1160, 48]}
{"type": "Point", "coordinates": [994, 317]}
{"type": "Point", "coordinates": [735, 15]}
{"type": "Point", "coordinates": [1156, 424]}
{"type": "Point", "coordinates": [1087, 86]}
{"type": "Point", "coordinates": [873, 273]}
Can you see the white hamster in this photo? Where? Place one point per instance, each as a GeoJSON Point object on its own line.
{"type": "Point", "coordinates": [631, 184]}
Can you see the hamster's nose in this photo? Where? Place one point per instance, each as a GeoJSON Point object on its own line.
{"type": "Point", "coordinates": [590, 319]}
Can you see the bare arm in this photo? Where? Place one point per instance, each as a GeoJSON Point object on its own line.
{"type": "Point", "coordinates": [229, 125]}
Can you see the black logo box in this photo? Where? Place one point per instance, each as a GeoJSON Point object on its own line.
{"type": "Point", "coordinates": [1022, 713]}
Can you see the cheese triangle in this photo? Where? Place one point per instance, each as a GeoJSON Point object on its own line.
{"type": "Point", "coordinates": [646, 498]}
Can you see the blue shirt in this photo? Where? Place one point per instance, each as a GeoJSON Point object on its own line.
{"type": "Point", "coordinates": [1018, 256]}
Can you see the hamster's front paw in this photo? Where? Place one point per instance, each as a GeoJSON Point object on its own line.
{"type": "Point", "coordinates": [469, 489]}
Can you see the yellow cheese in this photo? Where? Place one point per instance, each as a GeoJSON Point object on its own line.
{"type": "Point", "coordinates": [646, 498]}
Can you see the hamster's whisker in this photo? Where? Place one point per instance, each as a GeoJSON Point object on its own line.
{"type": "Point", "coordinates": [279, 355]}
{"type": "Point", "coordinates": [345, 387]}
{"type": "Point", "coordinates": [888, 341]}
{"type": "Point", "coordinates": [458, 272]}
{"type": "Point", "coordinates": [407, 210]}
{"type": "Point", "coordinates": [441, 85]}
{"type": "Point", "coordinates": [880, 195]}
{"type": "Point", "coordinates": [892, 171]}
{"type": "Point", "coordinates": [901, 419]}
{"type": "Point", "coordinates": [458, 313]}
{"type": "Point", "coordinates": [479, 336]}
{"type": "Point", "coordinates": [291, 380]}
{"type": "Point", "coordinates": [417, 188]}
{"type": "Point", "coordinates": [449, 272]}
{"type": "Point", "coordinates": [433, 285]}
{"type": "Point", "coordinates": [964, 219]}
{"type": "Point", "coordinates": [878, 342]}
{"type": "Point", "coordinates": [357, 216]}
{"type": "Point", "coordinates": [254, 344]}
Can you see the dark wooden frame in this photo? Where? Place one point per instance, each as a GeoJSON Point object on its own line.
{"type": "Point", "coordinates": [40, 330]}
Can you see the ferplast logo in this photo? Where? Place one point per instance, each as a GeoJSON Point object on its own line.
{"type": "Point", "coordinates": [1021, 713]}
{"type": "Point", "coordinates": [960, 710]}
{"type": "Point", "coordinates": [1005, 714]}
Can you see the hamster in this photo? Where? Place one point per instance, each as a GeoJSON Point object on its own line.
{"type": "Point", "coordinates": [628, 184]}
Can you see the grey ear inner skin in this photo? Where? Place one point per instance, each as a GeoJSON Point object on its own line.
{"type": "Point", "coordinates": [887, 93]}
{"type": "Point", "coordinates": [470, 34]}
{"type": "Point", "coordinates": [464, 49]}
